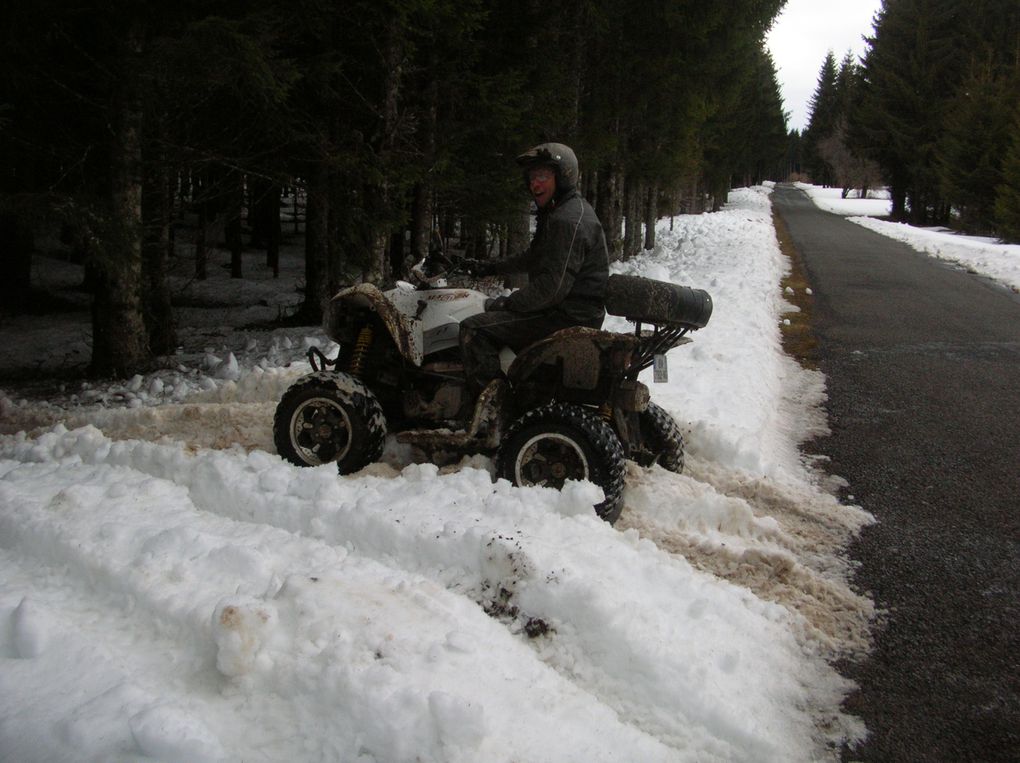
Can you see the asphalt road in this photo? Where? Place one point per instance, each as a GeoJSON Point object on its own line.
{"type": "Point", "coordinates": [922, 363]}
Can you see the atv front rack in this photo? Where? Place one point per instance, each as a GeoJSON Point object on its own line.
{"type": "Point", "coordinates": [318, 360]}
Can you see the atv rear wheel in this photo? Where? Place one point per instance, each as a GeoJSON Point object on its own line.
{"type": "Point", "coordinates": [329, 416]}
{"type": "Point", "coordinates": [557, 442]}
{"type": "Point", "coordinates": [662, 439]}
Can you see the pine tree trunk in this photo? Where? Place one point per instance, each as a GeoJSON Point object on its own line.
{"type": "Point", "coordinates": [264, 220]}
{"type": "Point", "coordinates": [610, 210]}
{"type": "Point", "coordinates": [898, 195]}
{"type": "Point", "coordinates": [16, 242]}
{"type": "Point", "coordinates": [316, 237]}
{"type": "Point", "coordinates": [395, 255]}
{"type": "Point", "coordinates": [421, 221]}
{"type": "Point", "coordinates": [632, 223]}
{"type": "Point", "coordinates": [651, 215]}
{"type": "Point", "coordinates": [335, 254]}
{"type": "Point", "coordinates": [518, 231]}
{"type": "Point", "coordinates": [235, 207]}
{"type": "Point", "coordinates": [17, 238]}
{"type": "Point", "coordinates": [274, 229]}
{"type": "Point", "coordinates": [518, 239]}
{"type": "Point", "coordinates": [378, 270]}
{"type": "Point", "coordinates": [697, 204]}
{"type": "Point", "coordinates": [421, 201]}
{"type": "Point", "coordinates": [159, 320]}
{"type": "Point", "coordinates": [201, 252]}
{"type": "Point", "coordinates": [200, 197]}
{"type": "Point", "coordinates": [119, 339]}
{"type": "Point", "coordinates": [577, 38]}
{"type": "Point", "coordinates": [258, 213]}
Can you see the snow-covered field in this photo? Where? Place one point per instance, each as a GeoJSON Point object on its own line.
{"type": "Point", "coordinates": [172, 590]}
{"type": "Point", "coordinates": [976, 254]}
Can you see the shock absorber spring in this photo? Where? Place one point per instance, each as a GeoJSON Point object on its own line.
{"type": "Point", "coordinates": [361, 345]}
{"type": "Point", "coordinates": [606, 412]}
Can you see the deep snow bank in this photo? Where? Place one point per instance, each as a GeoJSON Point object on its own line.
{"type": "Point", "coordinates": [205, 600]}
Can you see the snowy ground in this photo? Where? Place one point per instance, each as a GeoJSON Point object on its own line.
{"type": "Point", "coordinates": [172, 590]}
{"type": "Point", "coordinates": [985, 256]}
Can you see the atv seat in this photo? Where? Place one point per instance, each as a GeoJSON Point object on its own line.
{"type": "Point", "coordinates": [645, 300]}
{"type": "Point", "coordinates": [580, 354]}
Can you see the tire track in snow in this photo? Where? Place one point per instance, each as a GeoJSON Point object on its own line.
{"type": "Point", "coordinates": [520, 549]}
{"type": "Point", "coordinates": [284, 618]}
{"type": "Point", "coordinates": [782, 542]}
{"type": "Point", "coordinates": [232, 414]}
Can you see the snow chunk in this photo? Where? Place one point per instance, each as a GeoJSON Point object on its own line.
{"type": "Point", "coordinates": [173, 735]}
{"type": "Point", "coordinates": [31, 627]}
{"type": "Point", "coordinates": [241, 629]}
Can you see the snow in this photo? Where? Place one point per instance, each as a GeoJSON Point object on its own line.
{"type": "Point", "coordinates": [170, 589]}
{"type": "Point", "coordinates": [975, 254]}
{"type": "Point", "coordinates": [877, 203]}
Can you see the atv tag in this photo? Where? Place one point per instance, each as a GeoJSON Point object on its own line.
{"type": "Point", "coordinates": [660, 369]}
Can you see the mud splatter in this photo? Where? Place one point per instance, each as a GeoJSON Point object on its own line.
{"type": "Point", "coordinates": [786, 546]}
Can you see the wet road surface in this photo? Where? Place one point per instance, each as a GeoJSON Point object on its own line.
{"type": "Point", "coordinates": [922, 363]}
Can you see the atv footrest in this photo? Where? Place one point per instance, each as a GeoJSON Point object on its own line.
{"type": "Point", "coordinates": [482, 432]}
{"type": "Point", "coordinates": [432, 439]}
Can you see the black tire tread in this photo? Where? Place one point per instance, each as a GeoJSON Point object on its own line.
{"type": "Point", "coordinates": [600, 437]}
{"type": "Point", "coordinates": [665, 438]}
{"type": "Point", "coordinates": [353, 393]}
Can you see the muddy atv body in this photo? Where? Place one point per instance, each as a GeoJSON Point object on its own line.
{"type": "Point", "coordinates": [570, 407]}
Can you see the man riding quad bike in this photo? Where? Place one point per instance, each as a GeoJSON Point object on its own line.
{"type": "Point", "coordinates": [567, 266]}
{"type": "Point", "coordinates": [550, 405]}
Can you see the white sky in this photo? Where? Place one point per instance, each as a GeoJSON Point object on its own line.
{"type": "Point", "coordinates": [802, 35]}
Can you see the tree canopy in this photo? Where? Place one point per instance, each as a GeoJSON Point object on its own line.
{"type": "Point", "coordinates": [940, 86]}
{"type": "Point", "coordinates": [399, 119]}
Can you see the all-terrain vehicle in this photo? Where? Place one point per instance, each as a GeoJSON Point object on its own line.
{"type": "Point", "coordinates": [570, 407]}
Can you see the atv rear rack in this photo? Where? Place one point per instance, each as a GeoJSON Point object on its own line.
{"type": "Point", "coordinates": [656, 342]}
{"type": "Point", "coordinates": [672, 310]}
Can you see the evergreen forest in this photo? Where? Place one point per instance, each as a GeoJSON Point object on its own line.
{"type": "Point", "coordinates": [932, 111]}
{"type": "Point", "coordinates": [145, 131]}
{"type": "Point", "coordinates": [135, 126]}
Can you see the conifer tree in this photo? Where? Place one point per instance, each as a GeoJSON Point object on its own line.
{"type": "Point", "coordinates": [823, 113]}
{"type": "Point", "coordinates": [1007, 200]}
{"type": "Point", "coordinates": [848, 78]}
{"type": "Point", "coordinates": [394, 117]}
{"type": "Point", "coordinates": [77, 114]}
{"type": "Point", "coordinates": [977, 128]}
{"type": "Point", "coordinates": [976, 135]}
{"type": "Point", "coordinates": [764, 151]}
{"type": "Point", "coordinates": [838, 151]}
{"type": "Point", "coordinates": [940, 82]}
{"type": "Point", "coordinates": [911, 64]}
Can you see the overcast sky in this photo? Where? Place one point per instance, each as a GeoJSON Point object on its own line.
{"type": "Point", "coordinates": [802, 35]}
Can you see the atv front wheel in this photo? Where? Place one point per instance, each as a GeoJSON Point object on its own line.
{"type": "Point", "coordinates": [329, 416]}
{"type": "Point", "coordinates": [556, 442]}
{"type": "Point", "coordinates": [662, 440]}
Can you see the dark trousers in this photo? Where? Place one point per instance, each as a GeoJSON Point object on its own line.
{"type": "Point", "coordinates": [482, 336]}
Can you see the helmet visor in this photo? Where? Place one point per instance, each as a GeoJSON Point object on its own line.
{"type": "Point", "coordinates": [537, 155]}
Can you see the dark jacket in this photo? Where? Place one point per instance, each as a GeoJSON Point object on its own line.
{"type": "Point", "coordinates": [567, 263]}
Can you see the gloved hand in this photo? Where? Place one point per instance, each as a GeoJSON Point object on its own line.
{"type": "Point", "coordinates": [476, 267]}
{"type": "Point", "coordinates": [499, 303]}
